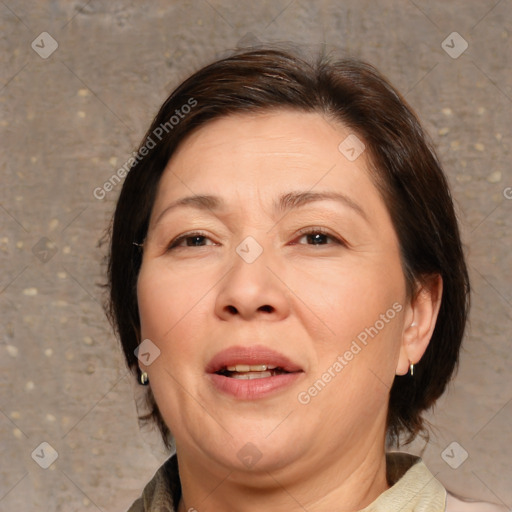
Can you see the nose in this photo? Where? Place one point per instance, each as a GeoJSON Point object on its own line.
{"type": "Point", "coordinates": [252, 291]}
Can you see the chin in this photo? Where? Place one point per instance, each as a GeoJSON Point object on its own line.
{"type": "Point", "coordinates": [264, 448]}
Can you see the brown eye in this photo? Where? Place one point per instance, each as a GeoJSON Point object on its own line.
{"type": "Point", "coordinates": [195, 239]}
{"type": "Point", "coordinates": [317, 236]}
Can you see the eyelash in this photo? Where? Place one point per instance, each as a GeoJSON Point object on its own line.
{"type": "Point", "coordinates": [321, 231]}
{"type": "Point", "coordinates": [303, 232]}
{"type": "Point", "coordinates": [192, 234]}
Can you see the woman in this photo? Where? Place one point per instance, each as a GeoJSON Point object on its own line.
{"type": "Point", "coordinates": [287, 280]}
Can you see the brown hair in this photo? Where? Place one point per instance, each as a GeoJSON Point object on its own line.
{"type": "Point", "coordinates": [404, 167]}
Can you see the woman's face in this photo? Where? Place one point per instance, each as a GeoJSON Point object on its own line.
{"type": "Point", "coordinates": [271, 283]}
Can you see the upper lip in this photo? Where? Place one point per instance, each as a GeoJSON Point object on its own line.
{"type": "Point", "coordinates": [257, 354]}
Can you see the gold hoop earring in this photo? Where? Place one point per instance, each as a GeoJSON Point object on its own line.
{"type": "Point", "coordinates": [412, 369]}
{"type": "Point", "coordinates": [144, 379]}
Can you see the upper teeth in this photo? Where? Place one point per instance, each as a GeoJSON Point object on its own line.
{"type": "Point", "coordinates": [250, 368]}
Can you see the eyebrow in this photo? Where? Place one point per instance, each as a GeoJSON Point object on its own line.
{"type": "Point", "coordinates": [286, 202]}
{"type": "Point", "coordinates": [212, 203]}
{"type": "Point", "coordinates": [293, 200]}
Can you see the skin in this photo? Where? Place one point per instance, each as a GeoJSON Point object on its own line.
{"type": "Point", "coordinates": [308, 301]}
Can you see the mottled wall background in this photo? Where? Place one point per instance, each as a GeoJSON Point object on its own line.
{"type": "Point", "coordinates": [80, 81]}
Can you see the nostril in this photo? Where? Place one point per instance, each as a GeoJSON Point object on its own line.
{"type": "Point", "coordinates": [234, 311]}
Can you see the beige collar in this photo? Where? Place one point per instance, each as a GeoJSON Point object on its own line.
{"type": "Point", "coordinates": [413, 487]}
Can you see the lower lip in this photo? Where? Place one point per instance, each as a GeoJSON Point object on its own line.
{"type": "Point", "coordinates": [252, 389]}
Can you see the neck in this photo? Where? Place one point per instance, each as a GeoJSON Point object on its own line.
{"type": "Point", "coordinates": [349, 482]}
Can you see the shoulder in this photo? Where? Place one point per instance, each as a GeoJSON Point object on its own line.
{"type": "Point", "coordinates": [162, 492]}
{"type": "Point", "coordinates": [405, 470]}
{"type": "Point", "coordinates": [457, 504]}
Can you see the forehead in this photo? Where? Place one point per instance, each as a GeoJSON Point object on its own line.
{"type": "Point", "coordinates": [246, 157]}
{"type": "Point", "coordinates": [283, 135]}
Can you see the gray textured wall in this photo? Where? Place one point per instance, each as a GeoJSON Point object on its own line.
{"type": "Point", "coordinates": [71, 118]}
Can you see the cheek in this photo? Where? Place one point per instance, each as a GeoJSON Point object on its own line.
{"type": "Point", "coordinates": [171, 308]}
{"type": "Point", "coordinates": [166, 299]}
{"type": "Point", "coordinates": [364, 310]}
{"type": "Point", "coordinates": [348, 299]}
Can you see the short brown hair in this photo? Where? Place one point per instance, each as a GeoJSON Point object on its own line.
{"type": "Point", "coordinates": [404, 168]}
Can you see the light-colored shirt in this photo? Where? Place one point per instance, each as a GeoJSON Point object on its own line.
{"type": "Point", "coordinates": [413, 488]}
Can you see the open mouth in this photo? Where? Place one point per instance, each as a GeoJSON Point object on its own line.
{"type": "Point", "coordinates": [250, 373]}
{"type": "Point", "coordinates": [253, 371]}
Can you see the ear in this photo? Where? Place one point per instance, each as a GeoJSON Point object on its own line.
{"type": "Point", "coordinates": [420, 321]}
